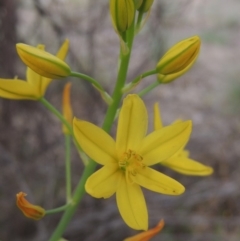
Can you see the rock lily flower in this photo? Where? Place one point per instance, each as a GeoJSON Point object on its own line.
{"type": "Point", "coordinates": [180, 161]}
{"type": "Point", "coordinates": [126, 162]}
{"type": "Point", "coordinates": [28, 209]}
{"type": "Point", "coordinates": [178, 59]}
{"type": "Point", "coordinates": [35, 86]}
{"type": "Point", "coordinates": [147, 235]}
{"type": "Point", "coordinates": [42, 62]}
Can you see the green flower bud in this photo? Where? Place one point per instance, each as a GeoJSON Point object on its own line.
{"type": "Point", "coordinates": [138, 3]}
{"type": "Point", "coordinates": [145, 6]}
{"type": "Point", "coordinates": [43, 63]}
{"type": "Point", "coordinates": [178, 59]}
{"type": "Point", "coordinates": [122, 14]}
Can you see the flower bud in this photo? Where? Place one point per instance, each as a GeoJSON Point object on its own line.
{"type": "Point", "coordinates": [28, 209]}
{"type": "Point", "coordinates": [67, 108]}
{"type": "Point", "coordinates": [43, 63]}
{"type": "Point", "coordinates": [122, 14]}
{"type": "Point", "coordinates": [138, 3]}
{"type": "Point", "coordinates": [145, 6]}
{"type": "Point", "coordinates": [178, 59]}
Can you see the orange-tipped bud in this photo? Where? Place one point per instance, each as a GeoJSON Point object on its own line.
{"type": "Point", "coordinates": [147, 235]}
{"type": "Point", "coordinates": [28, 209]}
{"type": "Point", "coordinates": [66, 106]}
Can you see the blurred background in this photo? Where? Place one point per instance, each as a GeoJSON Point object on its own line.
{"type": "Point", "coordinates": [32, 144]}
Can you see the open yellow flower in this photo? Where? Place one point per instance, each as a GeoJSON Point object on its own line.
{"type": "Point", "coordinates": [28, 209]}
{"type": "Point", "coordinates": [126, 161]}
{"type": "Point", "coordinates": [180, 161]}
{"type": "Point", "coordinates": [147, 235]}
{"type": "Point", "coordinates": [35, 86]}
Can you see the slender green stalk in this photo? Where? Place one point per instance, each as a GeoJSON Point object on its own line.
{"type": "Point", "coordinates": [148, 89]}
{"type": "Point", "coordinates": [61, 118]}
{"type": "Point", "coordinates": [139, 21]}
{"type": "Point", "coordinates": [57, 210]}
{"type": "Point", "coordinates": [108, 121]}
{"type": "Point", "coordinates": [56, 113]}
{"type": "Point", "coordinates": [87, 78]}
{"type": "Point", "coordinates": [148, 73]}
{"type": "Point", "coordinates": [68, 167]}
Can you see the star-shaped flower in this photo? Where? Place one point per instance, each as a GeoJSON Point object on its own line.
{"type": "Point", "coordinates": [35, 86]}
{"type": "Point", "coordinates": [126, 162]}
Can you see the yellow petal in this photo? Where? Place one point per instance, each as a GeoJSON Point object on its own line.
{"type": "Point", "coordinates": [157, 182]}
{"type": "Point", "coordinates": [17, 90]}
{"type": "Point", "coordinates": [62, 52]}
{"type": "Point", "coordinates": [165, 142]}
{"type": "Point", "coordinates": [104, 182]}
{"type": "Point", "coordinates": [132, 124]}
{"type": "Point", "coordinates": [95, 142]}
{"type": "Point", "coordinates": [147, 235]}
{"type": "Point", "coordinates": [157, 118]}
{"type": "Point", "coordinates": [187, 166]}
{"type": "Point", "coordinates": [132, 205]}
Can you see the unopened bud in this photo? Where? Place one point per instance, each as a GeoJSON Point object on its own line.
{"type": "Point", "coordinates": [145, 6]}
{"type": "Point", "coordinates": [43, 63]}
{"type": "Point", "coordinates": [178, 59]}
{"type": "Point", "coordinates": [122, 14]}
{"type": "Point", "coordinates": [66, 107]}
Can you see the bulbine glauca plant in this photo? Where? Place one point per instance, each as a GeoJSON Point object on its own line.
{"type": "Point", "coordinates": [125, 162]}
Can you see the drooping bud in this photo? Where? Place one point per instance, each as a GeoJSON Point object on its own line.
{"type": "Point", "coordinates": [147, 235]}
{"type": "Point", "coordinates": [66, 107]}
{"type": "Point", "coordinates": [122, 14]}
{"type": "Point", "coordinates": [28, 209]}
{"type": "Point", "coordinates": [178, 59]}
{"type": "Point", "coordinates": [43, 63]}
{"type": "Point", "coordinates": [145, 6]}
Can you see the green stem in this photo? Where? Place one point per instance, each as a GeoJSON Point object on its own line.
{"type": "Point", "coordinates": [56, 113]}
{"type": "Point", "coordinates": [57, 210]}
{"type": "Point", "coordinates": [61, 118]}
{"type": "Point", "coordinates": [148, 73]}
{"type": "Point", "coordinates": [148, 89]}
{"type": "Point", "coordinates": [68, 167]}
{"type": "Point", "coordinates": [139, 21]}
{"type": "Point", "coordinates": [87, 78]}
{"type": "Point", "coordinates": [108, 121]}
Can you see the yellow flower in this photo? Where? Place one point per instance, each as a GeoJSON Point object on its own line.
{"type": "Point", "coordinates": [28, 209]}
{"type": "Point", "coordinates": [178, 59]}
{"type": "Point", "coordinates": [147, 235]}
{"type": "Point", "coordinates": [43, 63]}
{"type": "Point", "coordinates": [35, 86]}
{"type": "Point", "coordinates": [122, 14]}
{"type": "Point", "coordinates": [180, 161]}
{"type": "Point", "coordinates": [66, 106]}
{"type": "Point", "coordinates": [126, 161]}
